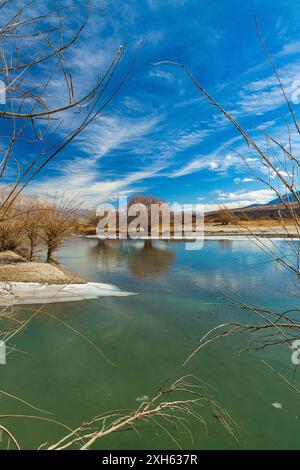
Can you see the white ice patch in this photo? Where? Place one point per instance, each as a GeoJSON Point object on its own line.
{"type": "Point", "coordinates": [17, 293]}
{"type": "Point", "coordinates": [143, 398]}
{"type": "Point", "coordinates": [277, 405]}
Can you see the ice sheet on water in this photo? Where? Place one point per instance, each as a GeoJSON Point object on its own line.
{"type": "Point", "coordinates": [19, 293]}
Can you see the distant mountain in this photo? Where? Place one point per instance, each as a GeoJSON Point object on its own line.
{"type": "Point", "coordinates": [286, 198]}
{"type": "Point", "coordinates": [275, 202]}
{"type": "Point", "coordinates": [255, 205]}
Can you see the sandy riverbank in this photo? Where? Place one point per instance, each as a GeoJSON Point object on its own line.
{"type": "Point", "coordinates": [15, 268]}
{"type": "Point", "coordinates": [263, 229]}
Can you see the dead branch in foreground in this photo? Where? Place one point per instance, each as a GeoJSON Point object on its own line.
{"type": "Point", "coordinates": [159, 411]}
{"type": "Point", "coordinates": [172, 416]}
{"type": "Point", "coordinates": [276, 328]}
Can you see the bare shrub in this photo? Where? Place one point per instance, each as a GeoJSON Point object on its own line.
{"type": "Point", "coordinates": [33, 215]}
{"type": "Point", "coordinates": [57, 224]}
{"type": "Point", "coordinates": [91, 218]}
{"type": "Point", "coordinates": [12, 229]}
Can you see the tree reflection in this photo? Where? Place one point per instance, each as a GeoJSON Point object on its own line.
{"type": "Point", "coordinates": [106, 252]}
{"type": "Point", "coordinates": [225, 243]}
{"type": "Point", "coordinates": [142, 262]}
{"type": "Point", "coordinates": [149, 261]}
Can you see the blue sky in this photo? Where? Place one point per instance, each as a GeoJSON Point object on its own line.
{"type": "Point", "coordinates": [158, 136]}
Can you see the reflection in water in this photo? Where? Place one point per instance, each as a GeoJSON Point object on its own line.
{"type": "Point", "coordinates": [222, 266]}
{"type": "Point", "coordinates": [225, 243]}
{"type": "Point", "coordinates": [149, 261]}
{"type": "Point", "coordinates": [105, 252]}
{"type": "Point", "coordinates": [142, 259]}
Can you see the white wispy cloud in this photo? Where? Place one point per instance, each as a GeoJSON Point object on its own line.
{"type": "Point", "coordinates": [243, 180]}
{"type": "Point", "coordinates": [239, 199]}
{"type": "Point", "coordinates": [82, 176]}
{"type": "Point", "coordinates": [187, 139]}
{"type": "Point", "coordinates": [163, 75]}
{"type": "Point", "coordinates": [289, 49]}
{"type": "Point", "coordinates": [154, 36]}
{"type": "Point", "coordinates": [111, 132]}
{"type": "Point", "coordinates": [218, 161]}
{"type": "Point", "coordinates": [264, 95]}
{"type": "Point", "coordinates": [259, 196]}
{"type": "Point", "coordinates": [117, 137]}
{"type": "Point", "coordinates": [156, 4]}
{"type": "Point", "coordinates": [90, 189]}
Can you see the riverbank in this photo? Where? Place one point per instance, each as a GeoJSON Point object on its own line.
{"type": "Point", "coordinates": [15, 268]}
{"type": "Point", "coordinates": [26, 282]}
{"type": "Point", "coordinates": [251, 228]}
{"type": "Point", "coordinates": [260, 229]}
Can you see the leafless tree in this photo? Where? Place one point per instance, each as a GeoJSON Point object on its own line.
{"type": "Point", "coordinates": [91, 219]}
{"type": "Point", "coordinates": [32, 226]}
{"type": "Point", "coordinates": [12, 228]}
{"type": "Point", "coordinates": [58, 222]}
{"type": "Point", "coordinates": [146, 200]}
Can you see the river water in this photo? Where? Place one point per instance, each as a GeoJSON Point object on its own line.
{"type": "Point", "coordinates": [148, 336]}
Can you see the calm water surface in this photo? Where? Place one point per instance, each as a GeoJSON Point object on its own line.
{"type": "Point", "coordinates": [148, 336]}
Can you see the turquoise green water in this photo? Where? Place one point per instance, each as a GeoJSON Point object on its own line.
{"type": "Point", "coordinates": [147, 337]}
